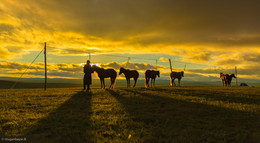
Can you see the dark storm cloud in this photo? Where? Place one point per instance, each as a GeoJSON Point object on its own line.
{"type": "Point", "coordinates": [222, 33]}
{"type": "Point", "coordinates": [175, 21]}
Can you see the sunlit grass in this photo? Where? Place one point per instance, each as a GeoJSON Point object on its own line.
{"type": "Point", "coordinates": [163, 114]}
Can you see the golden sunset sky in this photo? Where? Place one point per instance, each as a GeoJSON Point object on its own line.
{"type": "Point", "coordinates": [209, 36]}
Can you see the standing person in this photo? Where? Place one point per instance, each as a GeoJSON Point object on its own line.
{"type": "Point", "coordinates": [87, 77]}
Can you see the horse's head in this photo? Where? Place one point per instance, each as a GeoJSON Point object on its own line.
{"type": "Point", "coordinates": [221, 74]}
{"type": "Point", "coordinates": [182, 73]}
{"type": "Point", "coordinates": [121, 70]}
{"type": "Point", "coordinates": [95, 68]}
{"type": "Point", "coordinates": [158, 73]}
{"type": "Point", "coordinates": [233, 75]}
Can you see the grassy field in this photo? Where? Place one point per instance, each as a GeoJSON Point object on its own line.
{"type": "Point", "coordinates": [162, 114]}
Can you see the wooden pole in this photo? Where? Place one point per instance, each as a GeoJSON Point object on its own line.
{"type": "Point", "coordinates": [236, 74]}
{"type": "Point", "coordinates": [170, 64]}
{"type": "Point", "coordinates": [156, 64]}
{"type": "Point", "coordinates": [89, 56]}
{"type": "Point", "coordinates": [128, 60]}
{"type": "Point", "coordinates": [45, 62]}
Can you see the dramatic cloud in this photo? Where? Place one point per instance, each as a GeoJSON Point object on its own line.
{"type": "Point", "coordinates": [37, 70]}
{"type": "Point", "coordinates": [132, 66]}
{"type": "Point", "coordinates": [162, 59]}
{"type": "Point", "coordinates": [252, 72]}
{"type": "Point", "coordinates": [215, 33]}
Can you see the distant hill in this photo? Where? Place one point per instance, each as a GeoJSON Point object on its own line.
{"type": "Point", "coordinates": [6, 83]}
{"type": "Point", "coordinates": [65, 83]}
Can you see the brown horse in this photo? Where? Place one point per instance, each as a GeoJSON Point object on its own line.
{"type": "Point", "coordinates": [177, 75]}
{"type": "Point", "coordinates": [228, 79]}
{"type": "Point", "coordinates": [129, 74]}
{"type": "Point", "coordinates": [105, 73]}
{"type": "Point", "coordinates": [223, 78]}
{"type": "Point", "coordinates": [151, 74]}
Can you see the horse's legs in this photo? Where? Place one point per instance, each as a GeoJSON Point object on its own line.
{"type": "Point", "coordinates": [148, 81]}
{"type": "Point", "coordinates": [153, 82]}
{"type": "Point", "coordinates": [101, 83]}
{"type": "Point", "coordinates": [179, 82]}
{"type": "Point", "coordinates": [104, 83]}
{"type": "Point", "coordinates": [127, 82]}
{"type": "Point", "coordinates": [135, 79]}
{"type": "Point", "coordinates": [111, 80]}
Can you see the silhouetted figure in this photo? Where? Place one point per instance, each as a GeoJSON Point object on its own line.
{"type": "Point", "coordinates": [177, 75]}
{"type": "Point", "coordinates": [87, 77]}
{"type": "Point", "coordinates": [105, 73]}
{"type": "Point", "coordinates": [151, 74]}
{"type": "Point", "coordinates": [129, 74]}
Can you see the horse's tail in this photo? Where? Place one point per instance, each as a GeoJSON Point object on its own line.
{"type": "Point", "coordinates": [146, 81]}
{"type": "Point", "coordinates": [113, 82]}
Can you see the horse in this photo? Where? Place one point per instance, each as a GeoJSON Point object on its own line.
{"type": "Point", "coordinates": [129, 74]}
{"type": "Point", "coordinates": [228, 79]}
{"type": "Point", "coordinates": [151, 74]}
{"type": "Point", "coordinates": [105, 73]}
{"type": "Point", "coordinates": [177, 75]}
{"type": "Point", "coordinates": [223, 78]}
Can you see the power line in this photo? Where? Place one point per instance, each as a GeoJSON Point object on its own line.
{"type": "Point", "coordinates": [26, 69]}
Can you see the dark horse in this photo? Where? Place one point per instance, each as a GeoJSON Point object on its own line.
{"type": "Point", "coordinates": [177, 75]}
{"type": "Point", "coordinates": [105, 73]}
{"type": "Point", "coordinates": [129, 74]}
{"type": "Point", "coordinates": [228, 79]}
{"type": "Point", "coordinates": [151, 74]}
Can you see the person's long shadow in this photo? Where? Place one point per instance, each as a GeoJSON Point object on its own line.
{"type": "Point", "coordinates": [171, 120]}
{"type": "Point", "coordinates": [68, 123]}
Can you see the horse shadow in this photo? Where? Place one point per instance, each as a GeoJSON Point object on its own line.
{"type": "Point", "coordinates": [171, 120]}
{"type": "Point", "coordinates": [68, 123]}
{"type": "Point", "coordinates": [218, 95]}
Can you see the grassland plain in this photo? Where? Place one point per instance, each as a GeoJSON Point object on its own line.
{"type": "Point", "coordinates": [162, 114]}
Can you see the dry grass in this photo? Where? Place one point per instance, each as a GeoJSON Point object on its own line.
{"type": "Point", "coordinates": [162, 114]}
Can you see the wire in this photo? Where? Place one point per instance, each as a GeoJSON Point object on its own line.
{"type": "Point", "coordinates": [26, 70]}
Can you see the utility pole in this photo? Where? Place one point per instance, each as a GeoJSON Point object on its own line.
{"type": "Point", "coordinates": [170, 64]}
{"type": "Point", "coordinates": [128, 59]}
{"type": "Point", "coordinates": [236, 74]}
{"type": "Point", "coordinates": [156, 64]}
{"type": "Point", "coordinates": [45, 62]}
